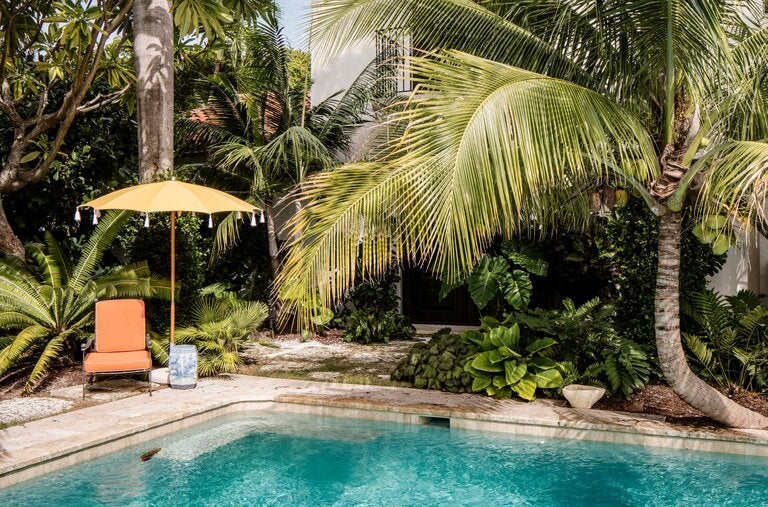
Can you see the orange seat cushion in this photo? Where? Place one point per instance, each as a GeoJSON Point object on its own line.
{"type": "Point", "coordinates": [120, 325]}
{"type": "Point", "coordinates": [96, 362]}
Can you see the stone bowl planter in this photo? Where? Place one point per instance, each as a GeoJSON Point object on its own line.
{"type": "Point", "coordinates": [580, 396]}
{"type": "Point", "coordinates": [159, 376]}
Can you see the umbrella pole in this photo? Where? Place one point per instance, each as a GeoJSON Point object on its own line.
{"type": "Point", "coordinates": [173, 275]}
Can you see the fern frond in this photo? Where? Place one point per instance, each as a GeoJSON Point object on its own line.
{"type": "Point", "coordinates": [46, 264]}
{"type": "Point", "coordinates": [61, 260]}
{"type": "Point", "coordinates": [700, 350]}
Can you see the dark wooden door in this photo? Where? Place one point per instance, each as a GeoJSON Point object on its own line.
{"type": "Point", "coordinates": [421, 301]}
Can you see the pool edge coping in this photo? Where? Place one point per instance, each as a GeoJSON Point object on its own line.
{"type": "Point", "coordinates": [644, 432]}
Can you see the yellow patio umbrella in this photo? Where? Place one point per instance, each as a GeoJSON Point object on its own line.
{"type": "Point", "coordinates": [170, 196]}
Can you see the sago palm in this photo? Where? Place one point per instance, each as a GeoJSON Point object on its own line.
{"type": "Point", "coordinates": [521, 106]}
{"type": "Point", "coordinates": [47, 303]}
{"type": "Point", "coordinates": [221, 329]}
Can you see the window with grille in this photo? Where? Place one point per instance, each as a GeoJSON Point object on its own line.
{"type": "Point", "coordinates": [392, 65]}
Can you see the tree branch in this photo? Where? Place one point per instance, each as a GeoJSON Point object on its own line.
{"type": "Point", "coordinates": [102, 100]}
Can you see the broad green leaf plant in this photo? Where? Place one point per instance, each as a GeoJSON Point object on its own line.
{"type": "Point", "coordinates": [519, 107]}
{"type": "Point", "coordinates": [507, 364]}
{"type": "Point", "coordinates": [47, 303]}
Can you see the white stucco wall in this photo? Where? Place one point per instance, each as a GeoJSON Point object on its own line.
{"type": "Point", "coordinates": [331, 74]}
{"type": "Point", "coordinates": [741, 262]}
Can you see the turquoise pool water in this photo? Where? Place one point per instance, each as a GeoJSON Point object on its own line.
{"type": "Point", "coordinates": [290, 460]}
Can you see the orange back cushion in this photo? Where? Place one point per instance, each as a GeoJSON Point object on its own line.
{"type": "Point", "coordinates": [120, 325]}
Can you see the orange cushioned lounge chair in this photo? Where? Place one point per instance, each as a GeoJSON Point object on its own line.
{"type": "Point", "coordinates": [121, 341]}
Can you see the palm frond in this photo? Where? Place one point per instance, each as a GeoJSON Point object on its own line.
{"type": "Point", "coordinates": [23, 342]}
{"type": "Point", "coordinates": [15, 320]}
{"type": "Point", "coordinates": [59, 259]}
{"type": "Point", "coordinates": [296, 148]}
{"type": "Point", "coordinates": [49, 354]}
{"type": "Point", "coordinates": [735, 182]}
{"type": "Point", "coordinates": [227, 235]}
{"type": "Point", "coordinates": [19, 291]}
{"type": "Point", "coordinates": [450, 24]}
{"type": "Point", "coordinates": [101, 238]}
{"type": "Point", "coordinates": [485, 142]}
{"type": "Point", "coordinates": [46, 264]}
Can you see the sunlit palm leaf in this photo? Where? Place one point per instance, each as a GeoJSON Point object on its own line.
{"type": "Point", "coordinates": [480, 152]}
{"type": "Point", "coordinates": [25, 340]}
{"type": "Point", "coordinates": [735, 181]}
{"type": "Point", "coordinates": [46, 264]}
{"type": "Point", "coordinates": [60, 260]}
{"type": "Point", "coordinates": [50, 353]}
{"type": "Point", "coordinates": [459, 24]}
{"type": "Point", "coordinates": [103, 236]}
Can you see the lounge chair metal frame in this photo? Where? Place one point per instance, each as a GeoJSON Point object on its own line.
{"type": "Point", "coordinates": [88, 377]}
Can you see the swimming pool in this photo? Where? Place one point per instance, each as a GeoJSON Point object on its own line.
{"type": "Point", "coordinates": [267, 458]}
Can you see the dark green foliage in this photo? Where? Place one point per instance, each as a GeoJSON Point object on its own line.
{"type": "Point", "coordinates": [631, 241]}
{"type": "Point", "coordinates": [504, 278]}
{"type": "Point", "coordinates": [245, 268]}
{"type": "Point", "coordinates": [729, 343]}
{"type": "Point", "coordinates": [366, 327]}
{"type": "Point", "coordinates": [99, 155]}
{"type": "Point", "coordinates": [508, 361]}
{"type": "Point", "coordinates": [153, 245]}
{"type": "Point", "coordinates": [437, 364]}
{"type": "Point", "coordinates": [578, 270]}
{"type": "Point", "coordinates": [375, 317]}
{"type": "Point", "coordinates": [590, 347]}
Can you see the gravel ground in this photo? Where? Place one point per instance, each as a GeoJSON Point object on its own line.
{"type": "Point", "coordinates": [25, 409]}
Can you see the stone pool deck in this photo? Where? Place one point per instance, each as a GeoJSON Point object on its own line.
{"type": "Point", "coordinates": [45, 445]}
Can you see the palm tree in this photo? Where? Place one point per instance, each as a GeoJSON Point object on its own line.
{"type": "Point", "coordinates": [153, 37]}
{"type": "Point", "coordinates": [519, 107]}
{"type": "Point", "coordinates": [47, 304]}
{"type": "Point", "coordinates": [260, 131]}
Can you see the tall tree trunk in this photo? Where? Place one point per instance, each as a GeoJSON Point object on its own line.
{"type": "Point", "coordinates": [153, 49]}
{"type": "Point", "coordinates": [9, 242]}
{"type": "Point", "coordinates": [669, 346]}
{"type": "Point", "coordinates": [274, 263]}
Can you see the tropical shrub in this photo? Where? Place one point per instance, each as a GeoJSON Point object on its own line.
{"type": "Point", "coordinates": [729, 346]}
{"type": "Point", "coordinates": [508, 361]}
{"type": "Point", "coordinates": [365, 327]}
{"type": "Point", "coordinates": [47, 303]}
{"type": "Point", "coordinates": [589, 347]}
{"type": "Point", "coordinates": [375, 318]}
{"type": "Point", "coordinates": [220, 329]}
{"type": "Point", "coordinates": [505, 278]}
{"type": "Point", "coordinates": [437, 364]}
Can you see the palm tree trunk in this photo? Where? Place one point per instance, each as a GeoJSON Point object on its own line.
{"type": "Point", "coordinates": [274, 263]}
{"type": "Point", "coordinates": [669, 346]}
{"type": "Point", "coordinates": [153, 60]}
